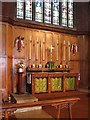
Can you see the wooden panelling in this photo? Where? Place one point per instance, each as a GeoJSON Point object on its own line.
{"type": "Point", "coordinates": [88, 62]}
{"type": "Point", "coordinates": [74, 39]}
{"type": "Point", "coordinates": [84, 56]}
{"type": "Point", "coordinates": [3, 67]}
{"type": "Point", "coordinates": [84, 74]}
{"type": "Point", "coordinates": [9, 75]}
{"type": "Point", "coordinates": [3, 41]}
{"type": "Point", "coordinates": [84, 47]}
{"type": "Point", "coordinates": [9, 40]}
{"type": "Point", "coordinates": [0, 38]}
{"type": "Point", "coordinates": [75, 66]}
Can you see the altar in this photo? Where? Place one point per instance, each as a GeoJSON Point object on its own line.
{"type": "Point", "coordinates": [49, 81]}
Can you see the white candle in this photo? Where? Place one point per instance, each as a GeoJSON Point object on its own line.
{"type": "Point", "coordinates": [37, 50]}
{"type": "Point", "coordinates": [46, 53]}
{"type": "Point", "coordinates": [57, 51]}
{"type": "Point", "coordinates": [68, 51]}
{"type": "Point", "coordinates": [30, 37]}
{"type": "Point", "coordinates": [30, 47]}
{"type": "Point", "coordinates": [43, 51]}
{"type": "Point", "coordinates": [43, 40]}
{"type": "Point", "coordinates": [30, 51]}
{"type": "Point", "coordinates": [64, 51]}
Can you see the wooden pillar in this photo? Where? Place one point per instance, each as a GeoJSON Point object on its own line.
{"type": "Point", "coordinates": [19, 84]}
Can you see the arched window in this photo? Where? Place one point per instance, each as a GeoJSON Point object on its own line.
{"type": "Point", "coordinates": [47, 11]}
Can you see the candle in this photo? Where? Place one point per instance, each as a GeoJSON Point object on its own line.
{"type": "Point", "coordinates": [68, 51]}
{"type": "Point", "coordinates": [57, 51]}
{"type": "Point", "coordinates": [43, 40]}
{"type": "Point", "coordinates": [64, 51]}
{"type": "Point", "coordinates": [46, 53]}
{"type": "Point", "coordinates": [37, 39]}
{"type": "Point", "coordinates": [37, 50]}
{"type": "Point", "coordinates": [30, 37]}
{"type": "Point", "coordinates": [51, 48]}
{"type": "Point", "coordinates": [43, 51]}
{"type": "Point", "coordinates": [30, 51]}
{"type": "Point", "coordinates": [30, 47]}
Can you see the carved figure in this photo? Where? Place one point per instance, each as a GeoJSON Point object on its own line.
{"type": "Point", "coordinates": [19, 43]}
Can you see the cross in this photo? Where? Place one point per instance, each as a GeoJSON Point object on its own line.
{"type": "Point", "coordinates": [51, 48]}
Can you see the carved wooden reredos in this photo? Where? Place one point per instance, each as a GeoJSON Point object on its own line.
{"type": "Point", "coordinates": [38, 44]}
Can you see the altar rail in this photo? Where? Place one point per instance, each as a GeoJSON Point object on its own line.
{"type": "Point", "coordinates": [57, 103]}
{"type": "Point", "coordinates": [53, 82]}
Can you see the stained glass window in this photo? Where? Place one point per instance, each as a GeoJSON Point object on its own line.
{"type": "Point", "coordinates": [28, 9]}
{"type": "Point", "coordinates": [20, 9]}
{"type": "Point", "coordinates": [56, 12]}
{"type": "Point", "coordinates": [47, 11]}
{"type": "Point", "coordinates": [39, 10]}
{"type": "Point", "coordinates": [64, 13]}
{"type": "Point", "coordinates": [70, 13]}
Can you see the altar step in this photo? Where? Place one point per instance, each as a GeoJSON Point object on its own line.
{"type": "Point", "coordinates": [56, 95]}
{"type": "Point", "coordinates": [24, 98]}
{"type": "Point", "coordinates": [33, 115]}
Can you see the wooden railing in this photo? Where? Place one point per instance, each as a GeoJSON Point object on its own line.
{"type": "Point", "coordinates": [57, 103]}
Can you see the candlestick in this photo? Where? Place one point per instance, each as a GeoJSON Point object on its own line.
{"type": "Point", "coordinates": [40, 52]}
{"type": "Point", "coordinates": [37, 51]}
{"type": "Point", "coordinates": [51, 48]}
{"type": "Point", "coordinates": [68, 51]}
{"type": "Point", "coordinates": [30, 47]}
{"type": "Point", "coordinates": [30, 37]}
{"type": "Point", "coordinates": [43, 51]}
{"type": "Point", "coordinates": [64, 57]}
{"type": "Point", "coordinates": [57, 51]}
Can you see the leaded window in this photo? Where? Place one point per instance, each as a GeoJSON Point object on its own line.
{"type": "Point", "coordinates": [47, 11]}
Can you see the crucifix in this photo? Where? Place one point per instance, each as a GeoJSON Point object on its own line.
{"type": "Point", "coordinates": [51, 50]}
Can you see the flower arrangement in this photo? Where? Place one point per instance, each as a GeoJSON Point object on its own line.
{"type": "Point", "coordinates": [20, 64]}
